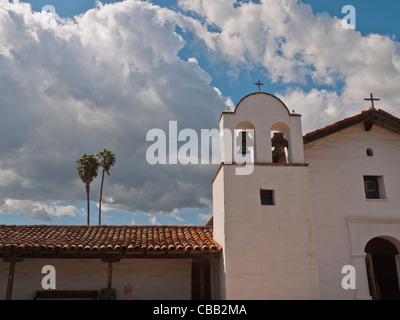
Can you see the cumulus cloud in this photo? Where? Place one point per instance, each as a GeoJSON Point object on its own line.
{"type": "Point", "coordinates": [326, 69]}
{"type": "Point", "coordinates": [39, 211]}
{"type": "Point", "coordinates": [100, 80]}
{"type": "Point", "coordinates": [153, 220]}
{"type": "Point", "coordinates": [205, 216]}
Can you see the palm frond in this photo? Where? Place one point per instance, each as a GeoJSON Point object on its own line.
{"type": "Point", "coordinates": [87, 167]}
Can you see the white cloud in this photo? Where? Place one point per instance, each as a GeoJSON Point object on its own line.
{"type": "Point", "coordinates": [38, 210]}
{"type": "Point", "coordinates": [300, 49]}
{"type": "Point", "coordinates": [228, 101]}
{"type": "Point", "coordinates": [174, 214]}
{"type": "Point", "coordinates": [153, 220]}
{"type": "Point", "coordinates": [16, 206]}
{"type": "Point", "coordinates": [100, 80]}
{"type": "Point", "coordinates": [205, 216]}
{"type": "Point", "coordinates": [328, 104]}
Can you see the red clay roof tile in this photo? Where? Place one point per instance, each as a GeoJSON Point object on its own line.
{"type": "Point", "coordinates": [106, 238]}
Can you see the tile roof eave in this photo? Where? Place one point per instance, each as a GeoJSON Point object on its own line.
{"type": "Point", "coordinates": [379, 117]}
{"type": "Point", "coordinates": [133, 241]}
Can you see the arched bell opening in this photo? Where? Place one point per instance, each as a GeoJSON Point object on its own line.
{"type": "Point", "coordinates": [279, 143]}
{"type": "Point", "coordinates": [245, 142]}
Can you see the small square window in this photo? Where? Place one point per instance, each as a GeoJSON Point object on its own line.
{"type": "Point", "coordinates": [267, 197]}
{"type": "Point", "coordinates": [374, 187]}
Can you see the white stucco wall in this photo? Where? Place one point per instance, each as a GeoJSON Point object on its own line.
{"type": "Point", "coordinates": [337, 164]}
{"type": "Point", "coordinates": [269, 251]}
{"type": "Point", "coordinates": [150, 278]}
{"type": "Point", "coordinates": [218, 226]}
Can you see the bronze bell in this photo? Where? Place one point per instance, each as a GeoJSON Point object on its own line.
{"type": "Point", "coordinates": [278, 142]}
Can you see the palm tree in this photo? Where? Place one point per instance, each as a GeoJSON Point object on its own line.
{"type": "Point", "coordinates": [87, 167]}
{"type": "Point", "coordinates": [106, 160]}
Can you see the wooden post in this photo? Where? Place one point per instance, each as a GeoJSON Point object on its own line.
{"type": "Point", "coordinates": [109, 275]}
{"type": "Point", "coordinates": [11, 273]}
{"type": "Point", "coordinates": [201, 284]}
{"type": "Point", "coordinates": [109, 293]}
{"type": "Point", "coordinates": [12, 259]}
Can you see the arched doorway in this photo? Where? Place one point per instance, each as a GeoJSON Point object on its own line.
{"type": "Point", "coordinates": [383, 278]}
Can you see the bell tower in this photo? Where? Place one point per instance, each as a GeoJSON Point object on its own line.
{"type": "Point", "coordinates": [261, 206]}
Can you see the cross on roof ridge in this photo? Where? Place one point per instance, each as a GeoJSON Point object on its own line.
{"type": "Point", "coordinates": [372, 99]}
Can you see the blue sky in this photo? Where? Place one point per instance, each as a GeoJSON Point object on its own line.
{"type": "Point", "coordinates": [105, 75]}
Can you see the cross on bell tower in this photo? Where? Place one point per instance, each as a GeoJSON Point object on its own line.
{"type": "Point", "coordinates": [372, 99]}
{"type": "Point", "coordinates": [259, 84]}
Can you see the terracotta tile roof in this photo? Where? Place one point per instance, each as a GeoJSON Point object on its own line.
{"type": "Point", "coordinates": [370, 116]}
{"type": "Point", "coordinates": [106, 238]}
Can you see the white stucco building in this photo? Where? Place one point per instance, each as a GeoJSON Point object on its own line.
{"type": "Point", "coordinates": [289, 212]}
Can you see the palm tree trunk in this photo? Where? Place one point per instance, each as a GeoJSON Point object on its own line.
{"type": "Point", "coordinates": [101, 196]}
{"type": "Point", "coordinates": [88, 203]}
